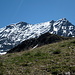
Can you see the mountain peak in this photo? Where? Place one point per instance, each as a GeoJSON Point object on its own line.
{"type": "Point", "coordinates": [52, 21]}
{"type": "Point", "coordinates": [64, 19]}
{"type": "Point", "coordinates": [22, 23]}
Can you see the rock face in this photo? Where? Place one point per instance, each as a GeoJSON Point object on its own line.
{"type": "Point", "coordinates": [14, 34]}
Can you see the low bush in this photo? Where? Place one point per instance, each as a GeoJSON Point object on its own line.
{"type": "Point", "coordinates": [57, 51]}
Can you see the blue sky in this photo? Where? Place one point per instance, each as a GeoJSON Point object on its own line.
{"type": "Point", "coordinates": [35, 11]}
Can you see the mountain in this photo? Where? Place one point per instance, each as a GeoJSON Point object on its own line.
{"type": "Point", "coordinates": [14, 34]}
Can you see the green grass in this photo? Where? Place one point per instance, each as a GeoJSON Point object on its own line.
{"type": "Point", "coordinates": [51, 59]}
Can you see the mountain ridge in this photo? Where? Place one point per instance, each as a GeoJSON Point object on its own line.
{"type": "Point", "coordinates": [14, 34]}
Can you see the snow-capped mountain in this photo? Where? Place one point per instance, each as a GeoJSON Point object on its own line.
{"type": "Point", "coordinates": [14, 34]}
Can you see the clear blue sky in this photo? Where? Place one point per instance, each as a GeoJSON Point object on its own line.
{"type": "Point", "coordinates": [35, 11]}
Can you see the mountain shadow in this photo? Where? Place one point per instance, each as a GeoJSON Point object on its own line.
{"type": "Point", "coordinates": [44, 39]}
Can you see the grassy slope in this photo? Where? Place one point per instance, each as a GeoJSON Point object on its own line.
{"type": "Point", "coordinates": [52, 59]}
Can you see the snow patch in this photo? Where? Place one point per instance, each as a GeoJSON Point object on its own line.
{"type": "Point", "coordinates": [3, 53]}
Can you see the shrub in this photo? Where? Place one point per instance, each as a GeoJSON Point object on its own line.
{"type": "Point", "coordinates": [57, 51]}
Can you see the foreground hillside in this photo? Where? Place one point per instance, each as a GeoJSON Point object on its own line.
{"type": "Point", "coordinates": [51, 59]}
